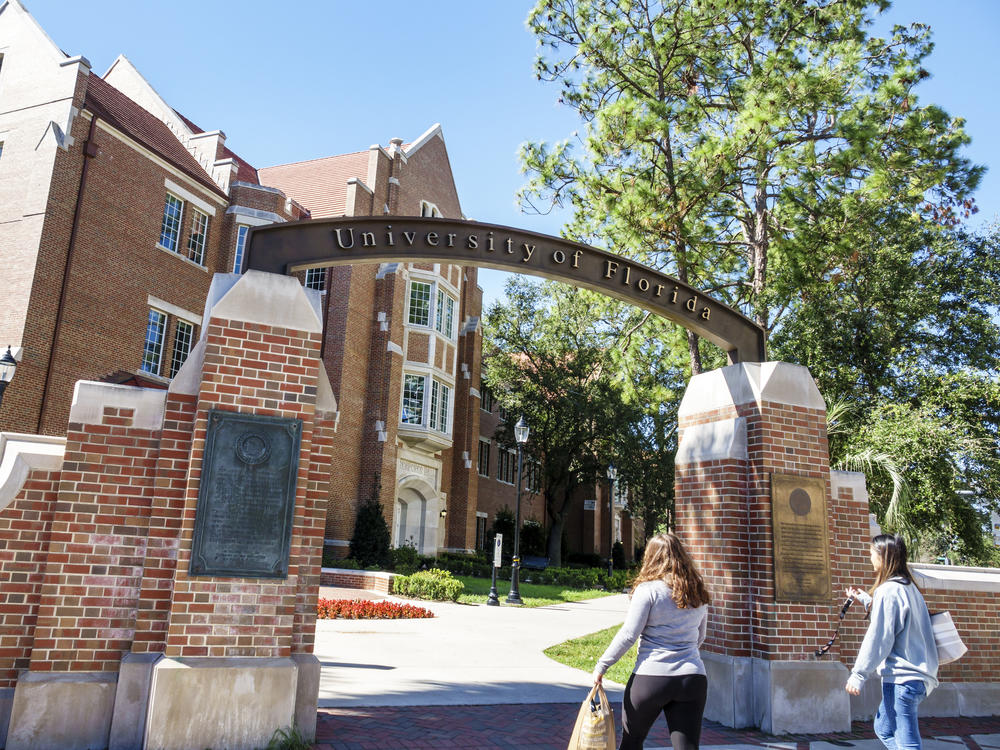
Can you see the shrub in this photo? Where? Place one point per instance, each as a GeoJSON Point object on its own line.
{"type": "Point", "coordinates": [618, 555]}
{"type": "Point", "coordinates": [532, 538]}
{"type": "Point", "coordinates": [405, 559]}
{"type": "Point", "coordinates": [370, 542]}
{"type": "Point", "coordinates": [362, 609]}
{"type": "Point", "coordinates": [434, 584]}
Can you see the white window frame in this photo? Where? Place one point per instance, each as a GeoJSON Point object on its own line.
{"type": "Point", "coordinates": [182, 345]}
{"type": "Point", "coordinates": [441, 307]}
{"type": "Point", "coordinates": [198, 240]}
{"type": "Point", "coordinates": [411, 308]}
{"type": "Point", "coordinates": [434, 407]}
{"type": "Point", "coordinates": [242, 230]}
{"type": "Point", "coordinates": [178, 223]}
{"type": "Point", "coordinates": [315, 279]}
{"type": "Point", "coordinates": [152, 349]}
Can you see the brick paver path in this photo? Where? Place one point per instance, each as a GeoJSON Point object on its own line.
{"type": "Point", "coordinates": [547, 726]}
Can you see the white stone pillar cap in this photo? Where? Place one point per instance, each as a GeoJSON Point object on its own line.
{"type": "Point", "coordinates": [751, 382]}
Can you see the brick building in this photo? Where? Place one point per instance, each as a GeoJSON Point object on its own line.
{"type": "Point", "coordinates": [116, 211]}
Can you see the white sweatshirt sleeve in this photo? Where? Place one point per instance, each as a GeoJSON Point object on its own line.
{"type": "Point", "coordinates": [635, 621]}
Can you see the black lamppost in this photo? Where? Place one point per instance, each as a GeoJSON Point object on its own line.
{"type": "Point", "coordinates": [521, 436]}
{"type": "Point", "coordinates": [612, 475]}
{"type": "Point", "coordinates": [7, 365]}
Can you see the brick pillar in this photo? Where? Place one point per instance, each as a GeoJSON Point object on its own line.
{"type": "Point", "coordinates": [739, 426]}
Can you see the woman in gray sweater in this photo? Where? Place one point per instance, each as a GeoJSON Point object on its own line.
{"type": "Point", "coordinates": [667, 613]}
{"type": "Point", "coordinates": [899, 644]}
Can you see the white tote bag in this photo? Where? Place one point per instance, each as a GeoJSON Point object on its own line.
{"type": "Point", "coordinates": [946, 638]}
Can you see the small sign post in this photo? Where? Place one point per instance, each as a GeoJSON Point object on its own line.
{"type": "Point", "coordinates": [493, 600]}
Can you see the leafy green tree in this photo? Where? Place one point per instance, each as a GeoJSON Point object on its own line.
{"type": "Point", "coordinates": [730, 142]}
{"type": "Point", "coordinates": [548, 357]}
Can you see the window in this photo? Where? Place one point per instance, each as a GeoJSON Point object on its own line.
{"type": "Point", "coordinates": [170, 229]}
{"type": "Point", "coordinates": [415, 404]}
{"type": "Point", "coordinates": [413, 399]}
{"type": "Point", "coordinates": [152, 350]}
{"type": "Point", "coordinates": [440, 398]}
{"type": "Point", "coordinates": [420, 304]}
{"type": "Point", "coordinates": [532, 475]}
{"type": "Point", "coordinates": [428, 209]}
{"type": "Point", "coordinates": [506, 465]}
{"type": "Point", "coordinates": [483, 467]}
{"type": "Point", "coordinates": [485, 399]}
{"type": "Point", "coordinates": [183, 336]}
{"type": "Point", "coordinates": [241, 242]}
{"type": "Point", "coordinates": [445, 319]}
{"type": "Point", "coordinates": [422, 294]}
{"type": "Point", "coordinates": [502, 413]}
{"type": "Point", "coordinates": [316, 279]}
{"type": "Point", "coordinates": [480, 531]}
{"type": "Point", "coordinates": [198, 238]}
{"type": "Point", "coordinates": [1, 148]}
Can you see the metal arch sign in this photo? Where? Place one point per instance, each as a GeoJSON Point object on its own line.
{"type": "Point", "coordinates": [286, 248]}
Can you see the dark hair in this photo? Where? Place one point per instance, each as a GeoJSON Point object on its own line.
{"type": "Point", "coordinates": [891, 552]}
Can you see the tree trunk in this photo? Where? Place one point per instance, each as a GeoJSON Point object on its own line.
{"type": "Point", "coordinates": [554, 546]}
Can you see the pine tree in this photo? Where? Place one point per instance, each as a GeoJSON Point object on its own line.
{"type": "Point", "coordinates": [370, 542]}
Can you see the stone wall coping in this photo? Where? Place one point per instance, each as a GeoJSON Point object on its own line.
{"type": "Point", "coordinates": [378, 574]}
{"type": "Point", "coordinates": [266, 299]}
{"type": "Point", "coordinates": [956, 577]}
{"type": "Point", "coordinates": [751, 382]}
{"type": "Point", "coordinates": [21, 454]}
{"type": "Point", "coordinates": [90, 399]}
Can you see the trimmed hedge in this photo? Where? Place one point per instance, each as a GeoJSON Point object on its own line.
{"type": "Point", "coordinates": [362, 609]}
{"type": "Point", "coordinates": [576, 578]}
{"type": "Point", "coordinates": [434, 584]}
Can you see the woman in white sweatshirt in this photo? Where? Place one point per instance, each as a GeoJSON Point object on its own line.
{"type": "Point", "coordinates": [899, 644]}
{"type": "Point", "coordinates": [667, 613]}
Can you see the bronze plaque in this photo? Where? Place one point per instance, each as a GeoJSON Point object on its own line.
{"type": "Point", "coordinates": [246, 500]}
{"type": "Point", "coordinates": [801, 539]}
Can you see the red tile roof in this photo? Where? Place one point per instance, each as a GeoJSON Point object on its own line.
{"type": "Point", "coordinates": [111, 105]}
{"type": "Point", "coordinates": [245, 173]}
{"type": "Point", "coordinates": [320, 185]}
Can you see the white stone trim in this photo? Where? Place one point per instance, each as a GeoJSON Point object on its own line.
{"type": "Point", "coordinates": [713, 441]}
{"type": "Point", "coordinates": [177, 312]}
{"type": "Point", "coordinates": [751, 382]}
{"type": "Point", "coordinates": [187, 195]}
{"type": "Point", "coordinates": [433, 130]}
{"type": "Point", "coordinates": [361, 183]}
{"type": "Point", "coordinates": [956, 578]}
{"type": "Point", "coordinates": [270, 300]}
{"type": "Point", "coordinates": [394, 348]}
{"type": "Point", "coordinates": [254, 217]}
{"type": "Point", "coordinates": [20, 455]}
{"type": "Point", "coordinates": [91, 398]}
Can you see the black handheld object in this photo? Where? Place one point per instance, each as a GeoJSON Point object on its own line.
{"type": "Point", "coordinates": [843, 612]}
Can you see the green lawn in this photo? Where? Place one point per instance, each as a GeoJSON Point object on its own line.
{"type": "Point", "coordinates": [584, 652]}
{"type": "Point", "coordinates": [532, 594]}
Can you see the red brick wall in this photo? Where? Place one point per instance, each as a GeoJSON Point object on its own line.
{"type": "Point", "coordinates": [93, 571]}
{"type": "Point", "coordinates": [25, 526]}
{"type": "Point", "coordinates": [724, 515]}
{"type": "Point", "coordinates": [245, 616]}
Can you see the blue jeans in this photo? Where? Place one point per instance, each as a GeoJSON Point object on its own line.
{"type": "Point", "coordinates": [896, 720]}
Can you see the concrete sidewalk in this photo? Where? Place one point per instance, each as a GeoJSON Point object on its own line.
{"type": "Point", "coordinates": [465, 655]}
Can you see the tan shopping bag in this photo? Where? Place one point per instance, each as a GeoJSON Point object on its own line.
{"type": "Point", "coordinates": [595, 724]}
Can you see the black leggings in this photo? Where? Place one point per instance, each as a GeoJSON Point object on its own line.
{"type": "Point", "coordinates": [682, 700]}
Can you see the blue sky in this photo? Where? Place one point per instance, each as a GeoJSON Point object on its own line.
{"type": "Point", "coordinates": [335, 76]}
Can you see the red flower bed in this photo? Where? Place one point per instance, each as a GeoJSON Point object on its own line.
{"type": "Point", "coordinates": [362, 609]}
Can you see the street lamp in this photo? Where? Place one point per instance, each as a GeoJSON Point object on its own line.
{"type": "Point", "coordinates": [7, 365]}
{"type": "Point", "coordinates": [612, 475]}
{"type": "Point", "coordinates": [521, 436]}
